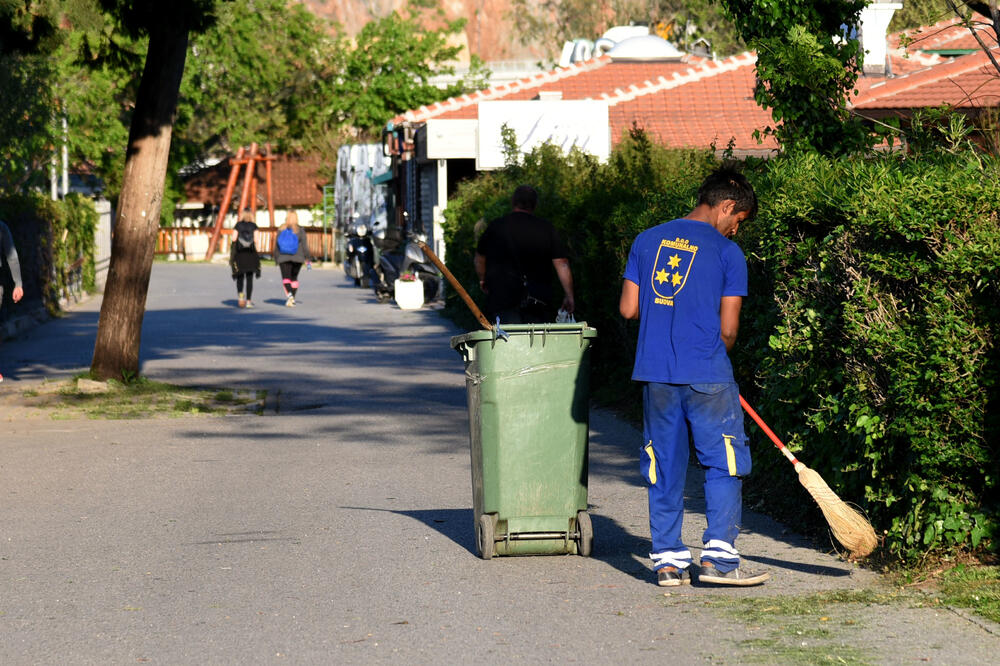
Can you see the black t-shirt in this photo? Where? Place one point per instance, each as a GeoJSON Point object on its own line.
{"type": "Point", "coordinates": [515, 245]}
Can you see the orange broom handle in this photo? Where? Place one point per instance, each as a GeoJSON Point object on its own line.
{"type": "Point", "coordinates": [767, 431]}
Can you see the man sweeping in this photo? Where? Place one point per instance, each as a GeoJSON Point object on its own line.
{"type": "Point", "coordinates": [685, 282]}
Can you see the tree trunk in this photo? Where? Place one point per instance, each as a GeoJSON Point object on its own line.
{"type": "Point", "coordinates": [116, 352]}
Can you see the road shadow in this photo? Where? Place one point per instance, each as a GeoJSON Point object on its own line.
{"type": "Point", "coordinates": [456, 524]}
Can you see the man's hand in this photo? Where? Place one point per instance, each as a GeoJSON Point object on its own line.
{"type": "Point", "coordinates": [479, 262]}
{"type": "Point", "coordinates": [565, 276]}
{"type": "Point", "coordinates": [17, 294]}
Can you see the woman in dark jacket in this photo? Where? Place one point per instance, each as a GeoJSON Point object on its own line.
{"type": "Point", "coordinates": [243, 258]}
{"type": "Point", "coordinates": [290, 260]}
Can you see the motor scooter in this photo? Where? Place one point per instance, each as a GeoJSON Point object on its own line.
{"type": "Point", "coordinates": [406, 258]}
{"type": "Point", "coordinates": [359, 255]}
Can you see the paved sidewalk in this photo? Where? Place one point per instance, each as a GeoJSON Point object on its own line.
{"type": "Point", "coordinates": [337, 528]}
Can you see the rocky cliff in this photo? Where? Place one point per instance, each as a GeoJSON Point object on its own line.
{"type": "Point", "coordinates": [488, 30]}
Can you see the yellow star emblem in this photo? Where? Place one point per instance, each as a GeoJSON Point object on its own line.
{"type": "Point", "coordinates": [677, 279]}
{"type": "Point", "coordinates": [661, 277]}
{"type": "Point", "coordinates": [675, 261]}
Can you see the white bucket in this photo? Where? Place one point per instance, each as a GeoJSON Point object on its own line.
{"type": "Point", "coordinates": [409, 295]}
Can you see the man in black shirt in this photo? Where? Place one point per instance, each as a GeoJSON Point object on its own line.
{"type": "Point", "coordinates": [515, 259]}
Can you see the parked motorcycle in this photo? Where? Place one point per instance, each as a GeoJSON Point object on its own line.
{"type": "Point", "coordinates": [359, 255]}
{"type": "Point", "coordinates": [404, 259]}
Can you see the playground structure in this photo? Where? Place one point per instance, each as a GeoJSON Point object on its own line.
{"type": "Point", "coordinates": [248, 159]}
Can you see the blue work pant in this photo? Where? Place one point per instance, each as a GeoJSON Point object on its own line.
{"type": "Point", "coordinates": [710, 415]}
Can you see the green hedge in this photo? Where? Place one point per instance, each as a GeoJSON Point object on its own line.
{"type": "Point", "coordinates": [51, 237]}
{"type": "Point", "coordinates": [869, 337]}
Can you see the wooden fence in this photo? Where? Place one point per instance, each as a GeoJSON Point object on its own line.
{"type": "Point", "coordinates": [172, 241]}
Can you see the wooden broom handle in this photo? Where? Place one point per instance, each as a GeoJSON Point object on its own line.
{"type": "Point", "coordinates": [483, 321]}
{"type": "Point", "coordinates": [767, 431]}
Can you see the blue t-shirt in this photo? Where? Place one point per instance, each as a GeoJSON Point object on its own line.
{"type": "Point", "coordinates": [683, 269]}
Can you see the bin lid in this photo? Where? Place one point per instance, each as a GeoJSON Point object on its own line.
{"type": "Point", "coordinates": [579, 328]}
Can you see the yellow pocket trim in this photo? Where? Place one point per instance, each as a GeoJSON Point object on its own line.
{"type": "Point", "coordinates": [652, 463]}
{"type": "Point", "coordinates": [730, 454]}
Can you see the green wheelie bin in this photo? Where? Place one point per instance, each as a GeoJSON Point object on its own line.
{"type": "Point", "coordinates": [529, 428]}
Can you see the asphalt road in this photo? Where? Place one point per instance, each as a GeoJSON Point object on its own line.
{"type": "Point", "coordinates": [338, 528]}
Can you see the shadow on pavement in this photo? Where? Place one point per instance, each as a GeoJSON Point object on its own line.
{"type": "Point", "coordinates": [801, 567]}
{"type": "Point", "coordinates": [456, 524]}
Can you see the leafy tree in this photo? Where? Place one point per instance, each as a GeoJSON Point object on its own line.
{"type": "Point", "coordinates": [26, 127]}
{"type": "Point", "coordinates": [49, 74]}
{"type": "Point", "coordinates": [255, 76]}
{"type": "Point", "coordinates": [166, 25]}
{"type": "Point", "coordinates": [806, 67]}
{"type": "Point", "coordinates": [389, 68]}
{"type": "Point", "coordinates": [916, 13]}
{"type": "Point", "coordinates": [28, 36]}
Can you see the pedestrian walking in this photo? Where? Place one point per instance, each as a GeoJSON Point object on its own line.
{"type": "Point", "coordinates": [515, 260]}
{"type": "Point", "coordinates": [244, 259]}
{"type": "Point", "coordinates": [685, 281]}
{"type": "Point", "coordinates": [291, 251]}
{"type": "Point", "coordinates": [8, 259]}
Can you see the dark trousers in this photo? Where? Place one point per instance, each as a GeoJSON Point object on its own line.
{"type": "Point", "coordinates": [290, 275]}
{"type": "Point", "coordinates": [249, 284]}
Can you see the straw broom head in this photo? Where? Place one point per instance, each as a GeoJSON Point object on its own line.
{"type": "Point", "coordinates": [849, 526]}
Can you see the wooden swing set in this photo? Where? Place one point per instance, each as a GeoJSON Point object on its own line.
{"type": "Point", "coordinates": [248, 159]}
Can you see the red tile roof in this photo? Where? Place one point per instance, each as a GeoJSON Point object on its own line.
{"type": "Point", "coordinates": [964, 82]}
{"type": "Point", "coordinates": [949, 34]}
{"type": "Point", "coordinates": [295, 183]}
{"type": "Point", "coordinates": [696, 102]}
{"type": "Point", "coordinates": [689, 103]}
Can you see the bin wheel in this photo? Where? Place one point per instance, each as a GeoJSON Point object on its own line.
{"type": "Point", "coordinates": [484, 537]}
{"type": "Point", "coordinates": [586, 529]}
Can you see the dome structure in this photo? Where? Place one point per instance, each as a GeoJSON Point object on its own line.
{"type": "Point", "coordinates": [644, 48]}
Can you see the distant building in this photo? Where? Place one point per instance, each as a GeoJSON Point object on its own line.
{"type": "Point", "coordinates": [296, 183]}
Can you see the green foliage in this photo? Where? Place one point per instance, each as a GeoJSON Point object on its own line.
{"type": "Point", "coordinates": [55, 242]}
{"type": "Point", "coordinates": [916, 13]}
{"type": "Point", "coordinates": [389, 68]}
{"type": "Point", "coordinates": [259, 71]}
{"type": "Point", "coordinates": [868, 341]}
{"type": "Point", "coordinates": [253, 77]}
{"type": "Point", "coordinates": [28, 27]}
{"type": "Point", "coordinates": [805, 69]}
{"type": "Point", "coordinates": [26, 122]}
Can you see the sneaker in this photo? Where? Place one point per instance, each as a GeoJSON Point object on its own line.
{"type": "Point", "coordinates": [241, 302]}
{"type": "Point", "coordinates": [249, 304]}
{"type": "Point", "coordinates": [1, 378]}
{"type": "Point", "coordinates": [672, 576]}
{"type": "Point", "coordinates": [290, 303]}
{"type": "Point", "coordinates": [737, 577]}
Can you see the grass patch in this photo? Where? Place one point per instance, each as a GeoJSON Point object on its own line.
{"type": "Point", "coordinates": [811, 629]}
{"type": "Point", "coordinates": [139, 398]}
{"type": "Point", "coordinates": [977, 588]}
{"type": "Point", "coordinates": [808, 629]}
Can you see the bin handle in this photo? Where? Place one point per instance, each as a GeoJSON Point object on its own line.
{"type": "Point", "coordinates": [483, 321]}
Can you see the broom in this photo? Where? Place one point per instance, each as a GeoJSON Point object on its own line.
{"type": "Point", "coordinates": [849, 526]}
